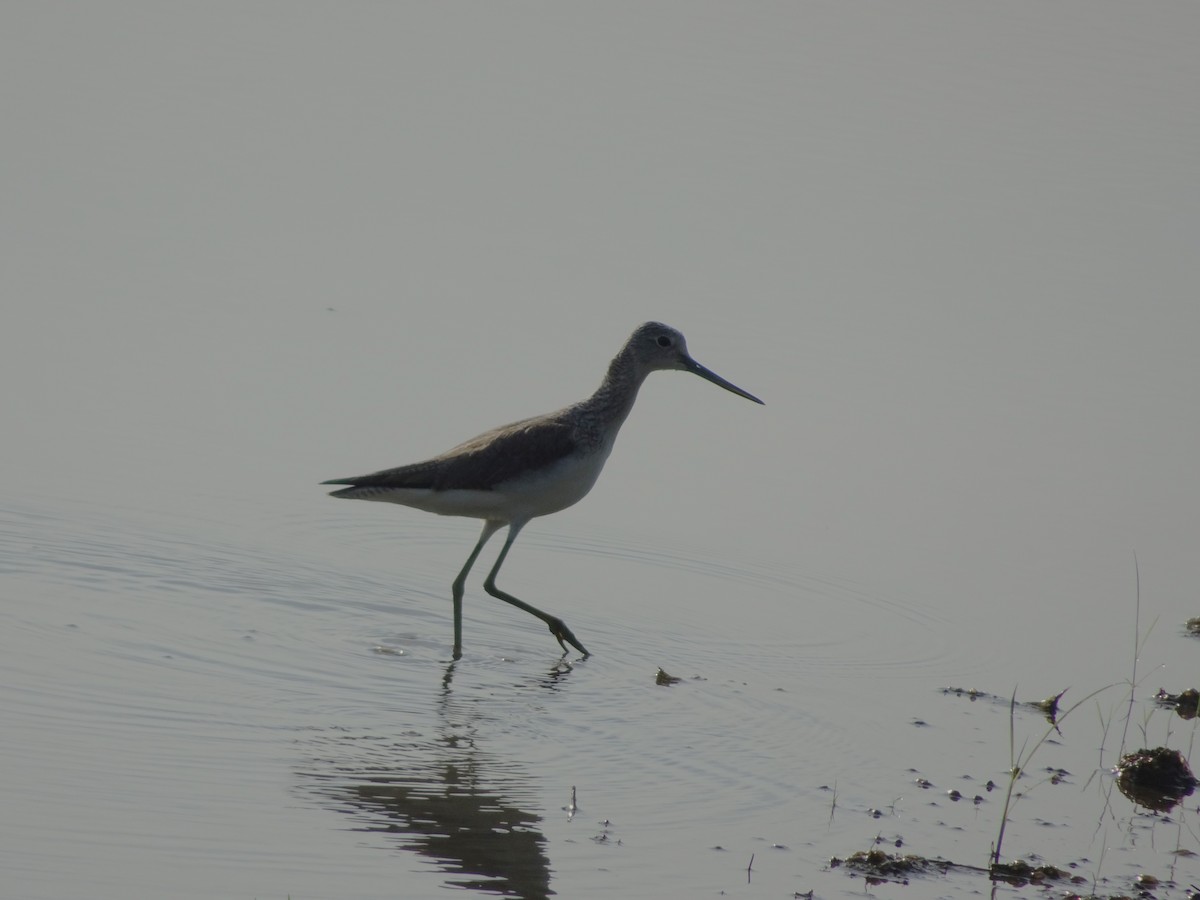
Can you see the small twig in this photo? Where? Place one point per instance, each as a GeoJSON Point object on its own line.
{"type": "Point", "coordinates": [1137, 618]}
{"type": "Point", "coordinates": [1014, 773]}
{"type": "Point", "coordinates": [749, 867]}
{"type": "Point", "coordinates": [1019, 761]}
{"type": "Point", "coordinates": [1100, 863]}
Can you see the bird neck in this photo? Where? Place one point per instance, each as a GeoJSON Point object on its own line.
{"type": "Point", "coordinates": [614, 398]}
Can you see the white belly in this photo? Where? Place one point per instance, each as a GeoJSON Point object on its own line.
{"type": "Point", "coordinates": [535, 494]}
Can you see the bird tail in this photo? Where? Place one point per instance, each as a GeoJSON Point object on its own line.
{"type": "Point", "coordinates": [350, 492]}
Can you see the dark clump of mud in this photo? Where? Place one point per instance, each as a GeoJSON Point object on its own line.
{"type": "Point", "coordinates": [663, 678]}
{"type": "Point", "coordinates": [1157, 779]}
{"type": "Point", "coordinates": [1184, 703]}
{"type": "Point", "coordinates": [1021, 873]}
{"type": "Point", "coordinates": [879, 866]}
{"type": "Point", "coordinates": [1048, 707]}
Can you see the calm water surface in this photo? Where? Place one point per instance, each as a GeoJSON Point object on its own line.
{"type": "Point", "coordinates": [190, 715]}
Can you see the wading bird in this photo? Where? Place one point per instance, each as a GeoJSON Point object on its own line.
{"type": "Point", "coordinates": [534, 467]}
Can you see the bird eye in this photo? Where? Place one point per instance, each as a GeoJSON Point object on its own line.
{"type": "Point", "coordinates": [664, 341]}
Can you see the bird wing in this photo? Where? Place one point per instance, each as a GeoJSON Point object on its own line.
{"type": "Point", "coordinates": [483, 462]}
{"type": "Point", "coordinates": [504, 453]}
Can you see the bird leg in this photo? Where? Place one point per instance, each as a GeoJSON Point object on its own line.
{"type": "Point", "coordinates": [558, 627]}
{"type": "Point", "coordinates": [489, 528]}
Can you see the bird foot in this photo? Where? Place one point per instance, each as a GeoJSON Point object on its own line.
{"type": "Point", "coordinates": [563, 635]}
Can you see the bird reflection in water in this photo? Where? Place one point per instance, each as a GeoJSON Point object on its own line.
{"type": "Point", "coordinates": [444, 797]}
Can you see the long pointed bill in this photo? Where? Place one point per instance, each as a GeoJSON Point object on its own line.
{"type": "Point", "coordinates": [709, 375]}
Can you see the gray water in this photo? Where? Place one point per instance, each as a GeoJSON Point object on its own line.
{"type": "Point", "coordinates": [949, 246]}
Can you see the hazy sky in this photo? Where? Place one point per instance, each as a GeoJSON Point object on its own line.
{"type": "Point", "coordinates": [248, 246]}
